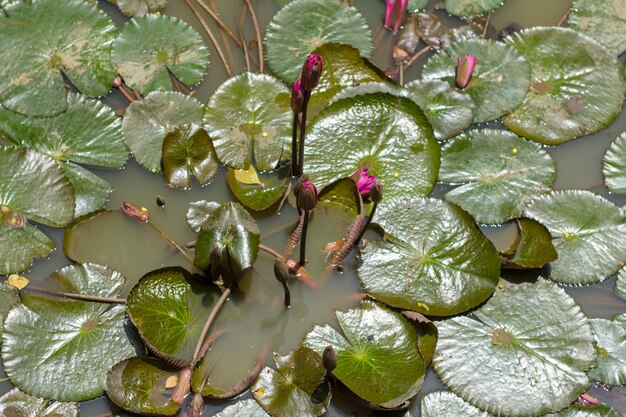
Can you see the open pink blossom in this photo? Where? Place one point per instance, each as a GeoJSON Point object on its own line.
{"type": "Point", "coordinates": [364, 181]}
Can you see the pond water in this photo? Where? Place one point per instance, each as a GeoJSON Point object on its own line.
{"type": "Point", "coordinates": [255, 317]}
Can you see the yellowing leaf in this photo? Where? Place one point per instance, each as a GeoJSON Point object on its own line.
{"type": "Point", "coordinates": [18, 281]}
{"type": "Point", "coordinates": [171, 382]}
{"type": "Point", "coordinates": [248, 176]}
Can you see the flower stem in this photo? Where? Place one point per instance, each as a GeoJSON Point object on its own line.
{"type": "Point", "coordinates": [287, 301]}
{"type": "Point", "coordinates": [216, 309]}
{"type": "Point", "coordinates": [79, 297]}
{"type": "Point", "coordinates": [259, 39]}
{"type": "Point", "coordinates": [417, 56]}
{"type": "Point", "coordinates": [487, 23]}
{"type": "Point", "coordinates": [305, 226]}
{"type": "Point", "coordinates": [220, 23]}
{"type": "Point", "coordinates": [305, 105]}
{"type": "Point", "coordinates": [367, 223]}
{"type": "Point", "coordinates": [171, 241]}
{"type": "Point", "coordinates": [563, 19]}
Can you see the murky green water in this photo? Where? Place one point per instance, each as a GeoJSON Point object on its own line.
{"type": "Point", "coordinates": [255, 317]}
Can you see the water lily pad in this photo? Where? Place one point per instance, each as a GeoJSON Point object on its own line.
{"type": "Point", "coordinates": [304, 25]}
{"type": "Point", "coordinates": [525, 352]}
{"type": "Point", "coordinates": [199, 212]}
{"type": "Point", "coordinates": [248, 408]}
{"type": "Point", "coordinates": [169, 307]}
{"type": "Point", "coordinates": [430, 247]}
{"type": "Point", "coordinates": [140, 7]}
{"type": "Point", "coordinates": [620, 284]}
{"type": "Point", "coordinates": [249, 118]}
{"type": "Point", "coordinates": [448, 404]}
{"type": "Point", "coordinates": [188, 151]}
{"type": "Point", "coordinates": [148, 46]}
{"type": "Point", "coordinates": [46, 39]}
{"type": "Point", "coordinates": [604, 20]}
{"type": "Point", "coordinates": [9, 296]}
{"type": "Point", "coordinates": [139, 385]}
{"type": "Point", "coordinates": [386, 134]}
{"type": "Point", "coordinates": [290, 389]}
{"type": "Point", "coordinates": [588, 232]}
{"type": "Point", "coordinates": [501, 173]}
{"type": "Point", "coordinates": [147, 122]}
{"type": "Point", "coordinates": [231, 228]}
{"type": "Point", "coordinates": [262, 195]}
{"type": "Point", "coordinates": [377, 355]}
{"type": "Point", "coordinates": [594, 411]}
{"type": "Point", "coordinates": [614, 165]}
{"type": "Point", "coordinates": [449, 111]}
{"type": "Point", "coordinates": [34, 187]}
{"type": "Point", "coordinates": [91, 191]}
{"type": "Point", "coordinates": [53, 348]}
{"type": "Point", "coordinates": [610, 339]}
{"type": "Point", "coordinates": [18, 404]}
{"type": "Point", "coordinates": [463, 8]}
{"type": "Point", "coordinates": [499, 82]}
{"type": "Point", "coordinates": [577, 86]}
{"type": "Point", "coordinates": [343, 68]}
{"type": "Point", "coordinates": [532, 249]}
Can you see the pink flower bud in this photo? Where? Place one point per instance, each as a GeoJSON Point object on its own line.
{"type": "Point", "coordinates": [394, 13]}
{"type": "Point", "coordinates": [464, 68]}
{"type": "Point", "coordinates": [364, 182]}
{"type": "Point", "coordinates": [311, 72]}
{"type": "Point", "coordinates": [136, 212]}
{"type": "Point", "coordinates": [307, 197]}
{"type": "Point", "coordinates": [297, 97]}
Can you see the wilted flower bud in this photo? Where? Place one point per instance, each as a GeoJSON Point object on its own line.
{"type": "Point", "coordinates": [394, 13]}
{"type": "Point", "coordinates": [364, 181]}
{"type": "Point", "coordinates": [464, 68]}
{"type": "Point", "coordinates": [136, 212]}
{"type": "Point", "coordinates": [160, 201]}
{"type": "Point", "coordinates": [329, 359]}
{"type": "Point", "coordinates": [196, 405]}
{"type": "Point", "coordinates": [297, 97]}
{"type": "Point", "coordinates": [376, 193]}
{"type": "Point", "coordinates": [281, 270]}
{"type": "Point", "coordinates": [307, 197]}
{"type": "Point", "coordinates": [311, 72]}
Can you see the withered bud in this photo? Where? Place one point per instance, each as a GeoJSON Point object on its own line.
{"type": "Point", "coordinates": [135, 212]}
{"type": "Point", "coordinates": [183, 386]}
{"type": "Point", "coordinates": [376, 193]}
{"type": "Point", "coordinates": [160, 201]}
{"type": "Point", "coordinates": [329, 359]}
{"type": "Point", "coordinates": [196, 405]}
{"type": "Point", "coordinates": [281, 270]}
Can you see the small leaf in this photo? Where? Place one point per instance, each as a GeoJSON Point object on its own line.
{"type": "Point", "coordinates": [17, 281]}
{"type": "Point", "coordinates": [533, 248]}
{"type": "Point", "coordinates": [248, 176]}
{"type": "Point", "coordinates": [262, 195]}
{"type": "Point", "coordinates": [610, 340]}
{"type": "Point", "coordinates": [18, 404]}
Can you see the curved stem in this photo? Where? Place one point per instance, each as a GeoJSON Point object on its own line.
{"type": "Point", "coordinates": [271, 251]}
{"type": "Point", "coordinates": [171, 241]}
{"type": "Point", "coordinates": [220, 22]}
{"type": "Point", "coordinates": [216, 309]}
{"type": "Point", "coordinates": [259, 39]}
{"type": "Point", "coordinates": [287, 301]}
{"type": "Point", "coordinates": [79, 297]}
{"type": "Point", "coordinates": [305, 226]}
{"type": "Point", "coordinates": [417, 56]}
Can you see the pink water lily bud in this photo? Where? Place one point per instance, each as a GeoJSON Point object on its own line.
{"type": "Point", "coordinates": [297, 97]}
{"type": "Point", "coordinates": [364, 181]}
{"type": "Point", "coordinates": [136, 212]}
{"type": "Point", "coordinates": [311, 72]}
{"type": "Point", "coordinates": [394, 13]}
{"type": "Point", "coordinates": [307, 197]}
{"type": "Point", "coordinates": [464, 68]}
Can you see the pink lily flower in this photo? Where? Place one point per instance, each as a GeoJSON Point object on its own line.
{"type": "Point", "coordinates": [364, 181]}
{"type": "Point", "coordinates": [464, 68]}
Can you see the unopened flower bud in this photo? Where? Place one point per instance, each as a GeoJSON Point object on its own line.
{"type": "Point", "coordinates": [136, 212]}
{"type": "Point", "coordinates": [394, 13]}
{"type": "Point", "coordinates": [297, 97]}
{"type": "Point", "coordinates": [376, 193]}
{"type": "Point", "coordinates": [329, 359]}
{"type": "Point", "coordinates": [196, 405]}
{"type": "Point", "coordinates": [464, 68]}
{"type": "Point", "coordinates": [281, 270]}
{"type": "Point", "coordinates": [307, 197]}
{"type": "Point", "coordinates": [117, 82]}
{"type": "Point", "coordinates": [311, 72]}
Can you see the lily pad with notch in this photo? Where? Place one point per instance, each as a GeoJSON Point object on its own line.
{"type": "Point", "coordinates": [17, 403]}
{"type": "Point", "coordinates": [150, 46]}
{"type": "Point", "coordinates": [258, 191]}
{"type": "Point", "coordinates": [448, 404]}
{"type": "Point", "coordinates": [377, 354]}
{"type": "Point", "coordinates": [500, 172]}
{"type": "Point", "coordinates": [531, 249]}
{"type": "Point", "coordinates": [302, 26]}
{"type": "Point", "coordinates": [249, 118]}
{"type": "Point", "coordinates": [577, 85]}
{"type": "Point", "coordinates": [290, 389]}
{"type": "Point", "coordinates": [46, 40]}
{"type": "Point", "coordinates": [464, 8]}
{"type": "Point", "coordinates": [386, 134]}
{"type": "Point", "coordinates": [52, 348]}
{"type": "Point", "coordinates": [610, 337]}
{"type": "Point", "coordinates": [430, 248]}
{"type": "Point", "coordinates": [525, 353]}
{"type": "Point", "coordinates": [147, 122]}
{"type": "Point", "coordinates": [500, 79]}
{"type": "Point", "coordinates": [588, 233]}
{"type": "Point", "coordinates": [604, 20]}
{"type": "Point", "coordinates": [614, 165]}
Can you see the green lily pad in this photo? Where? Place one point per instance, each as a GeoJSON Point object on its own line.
{"type": "Point", "coordinates": [448, 404]}
{"type": "Point", "coordinates": [248, 408]}
{"type": "Point", "coordinates": [140, 7]}
{"type": "Point", "coordinates": [188, 151]}
{"type": "Point", "coordinates": [169, 307]}
{"type": "Point", "coordinates": [18, 247]}
{"type": "Point", "coordinates": [463, 8]}
{"type": "Point", "coordinates": [289, 389]}
{"type": "Point", "coordinates": [139, 385]}
{"type": "Point", "coordinates": [263, 195]}
{"type": "Point", "coordinates": [614, 165]}
{"type": "Point", "coordinates": [343, 68]}
{"type": "Point", "coordinates": [594, 411]}
{"type": "Point", "coordinates": [147, 122]}
{"type": "Point", "coordinates": [150, 45]}
{"type": "Point", "coordinates": [577, 86]}
{"type": "Point", "coordinates": [199, 212]}
{"type": "Point", "coordinates": [386, 134]}
{"type": "Point", "coordinates": [377, 355]}
{"type": "Point", "coordinates": [449, 111]}
{"type": "Point", "coordinates": [604, 20]}
{"type": "Point", "coordinates": [588, 232]}
{"type": "Point", "coordinates": [532, 249]}
{"type": "Point", "coordinates": [231, 228]}
{"type": "Point", "coordinates": [430, 247]}
{"type": "Point", "coordinates": [46, 39]}
{"type": "Point", "coordinates": [501, 173]}
{"type": "Point", "coordinates": [249, 118]}
{"type": "Point", "coordinates": [610, 340]}
{"type": "Point", "coordinates": [620, 284]}
{"type": "Point", "coordinates": [302, 26]}
{"type": "Point", "coordinates": [53, 348]}
{"type": "Point", "coordinates": [9, 297]}
{"type": "Point", "coordinates": [499, 82]}
{"type": "Point", "coordinates": [525, 352]}
{"type": "Point", "coordinates": [18, 404]}
{"type": "Point", "coordinates": [91, 191]}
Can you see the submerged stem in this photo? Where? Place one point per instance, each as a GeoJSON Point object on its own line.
{"type": "Point", "coordinates": [79, 297]}
{"type": "Point", "coordinates": [259, 39]}
{"type": "Point", "coordinates": [171, 241]}
{"type": "Point", "coordinates": [287, 301]}
{"type": "Point", "coordinates": [305, 226]}
{"type": "Point", "coordinates": [216, 309]}
{"type": "Point", "coordinates": [564, 18]}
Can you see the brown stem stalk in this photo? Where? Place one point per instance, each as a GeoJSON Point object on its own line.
{"type": "Point", "coordinates": [487, 23]}
{"type": "Point", "coordinates": [563, 19]}
{"type": "Point", "coordinates": [211, 12]}
{"type": "Point", "coordinates": [257, 31]}
{"type": "Point", "coordinates": [270, 251]}
{"type": "Point", "coordinates": [171, 241]}
{"type": "Point", "coordinates": [416, 57]}
{"type": "Point", "coordinates": [305, 226]}
{"type": "Point", "coordinates": [79, 297]}
{"type": "Point", "coordinates": [246, 53]}
{"type": "Point", "coordinates": [216, 309]}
